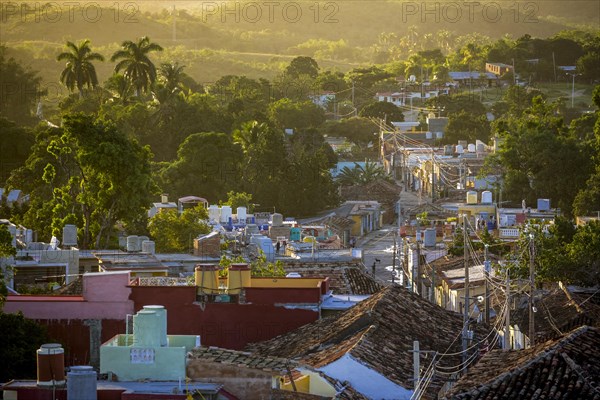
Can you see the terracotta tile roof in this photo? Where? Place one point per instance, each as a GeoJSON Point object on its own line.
{"type": "Point", "coordinates": [344, 278]}
{"type": "Point", "coordinates": [241, 359]}
{"type": "Point", "coordinates": [379, 333]}
{"type": "Point", "coordinates": [360, 282]}
{"type": "Point", "coordinates": [568, 368]}
{"type": "Point", "coordinates": [73, 288]}
{"type": "Point", "coordinates": [559, 311]}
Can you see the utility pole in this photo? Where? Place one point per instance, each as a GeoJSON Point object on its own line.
{"type": "Point", "coordinates": [514, 73]}
{"type": "Point", "coordinates": [467, 297]}
{"type": "Point", "coordinates": [507, 321]}
{"type": "Point", "coordinates": [406, 248]}
{"type": "Point", "coordinates": [416, 363]}
{"type": "Point", "coordinates": [432, 176]}
{"type": "Point", "coordinates": [531, 290]}
{"type": "Point", "coordinates": [174, 32]}
{"type": "Point", "coordinates": [353, 98]}
{"type": "Point", "coordinates": [394, 259]}
{"type": "Point", "coordinates": [432, 292]}
{"type": "Point", "coordinates": [573, 89]}
{"type": "Point", "coordinates": [487, 266]}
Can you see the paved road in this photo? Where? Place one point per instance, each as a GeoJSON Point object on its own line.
{"type": "Point", "coordinates": [378, 245]}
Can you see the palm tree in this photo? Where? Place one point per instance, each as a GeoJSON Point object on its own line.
{"type": "Point", "coordinates": [172, 75]}
{"type": "Point", "coordinates": [138, 69]}
{"type": "Point", "coordinates": [79, 70]}
{"type": "Point", "coordinates": [120, 87]}
{"type": "Point", "coordinates": [359, 175]}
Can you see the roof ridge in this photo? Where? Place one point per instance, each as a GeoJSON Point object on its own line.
{"type": "Point", "coordinates": [539, 355]}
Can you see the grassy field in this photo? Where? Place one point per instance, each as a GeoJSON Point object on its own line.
{"type": "Point", "coordinates": [582, 92]}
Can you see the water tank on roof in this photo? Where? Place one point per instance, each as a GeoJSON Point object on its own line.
{"type": "Point", "coordinates": [277, 219]}
{"type": "Point", "coordinates": [429, 240]}
{"type": "Point", "coordinates": [238, 277]}
{"type": "Point", "coordinates": [543, 204]}
{"type": "Point", "coordinates": [486, 197]}
{"type": "Point", "coordinates": [471, 197]}
{"type": "Point", "coordinates": [428, 135]}
{"type": "Point", "coordinates": [146, 329]}
{"type": "Point", "coordinates": [241, 214]}
{"type": "Point", "coordinates": [480, 147]}
{"type": "Point", "coordinates": [439, 135]}
{"type": "Point", "coordinates": [460, 149]}
{"type": "Point", "coordinates": [141, 240]}
{"type": "Point", "coordinates": [225, 214]}
{"type": "Point", "coordinates": [162, 315]}
{"type": "Point", "coordinates": [471, 148]}
{"type": "Point", "coordinates": [148, 246]}
{"type": "Point", "coordinates": [69, 235]}
{"type": "Point", "coordinates": [133, 243]}
{"type": "Point", "coordinates": [82, 383]}
{"type": "Point", "coordinates": [50, 365]}
{"type": "Point", "coordinates": [214, 213]}
{"type": "Point", "coordinates": [448, 150]}
{"type": "Point", "coordinates": [206, 278]}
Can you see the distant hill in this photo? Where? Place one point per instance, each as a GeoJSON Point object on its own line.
{"type": "Point", "coordinates": [258, 40]}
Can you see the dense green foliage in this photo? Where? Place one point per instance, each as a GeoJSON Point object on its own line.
{"type": "Point", "coordinates": [539, 156]}
{"type": "Point", "coordinates": [174, 232]}
{"type": "Point", "coordinates": [564, 253]}
{"type": "Point", "coordinates": [19, 90]}
{"type": "Point", "coordinates": [85, 173]}
{"type": "Point", "coordinates": [359, 175]}
{"type": "Point", "coordinates": [266, 137]}
{"type": "Point", "coordinates": [20, 339]}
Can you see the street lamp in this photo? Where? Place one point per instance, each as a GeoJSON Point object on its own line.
{"type": "Point", "coordinates": [573, 89]}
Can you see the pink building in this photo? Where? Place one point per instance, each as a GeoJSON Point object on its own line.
{"type": "Point", "coordinates": [81, 322]}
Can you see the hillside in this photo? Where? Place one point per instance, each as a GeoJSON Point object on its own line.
{"type": "Point", "coordinates": [258, 40]}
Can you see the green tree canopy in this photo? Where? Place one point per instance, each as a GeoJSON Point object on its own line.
{"type": "Point", "coordinates": [382, 110]}
{"type": "Point", "coordinates": [263, 162]}
{"type": "Point", "coordinates": [85, 173]}
{"type": "Point", "coordinates": [302, 66]}
{"type": "Point", "coordinates": [287, 114]}
{"type": "Point", "coordinates": [466, 126]}
{"type": "Point", "coordinates": [239, 199]}
{"type": "Point", "coordinates": [539, 158]}
{"type": "Point", "coordinates": [174, 232]}
{"type": "Point", "coordinates": [452, 104]}
{"type": "Point", "coordinates": [20, 90]}
{"type": "Point", "coordinates": [207, 165]}
{"type": "Point", "coordinates": [357, 130]}
{"type": "Point", "coordinates": [15, 147]}
{"type": "Point", "coordinates": [20, 339]}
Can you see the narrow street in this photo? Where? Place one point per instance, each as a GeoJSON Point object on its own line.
{"type": "Point", "coordinates": [378, 248]}
{"type": "Point", "coordinates": [379, 245]}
